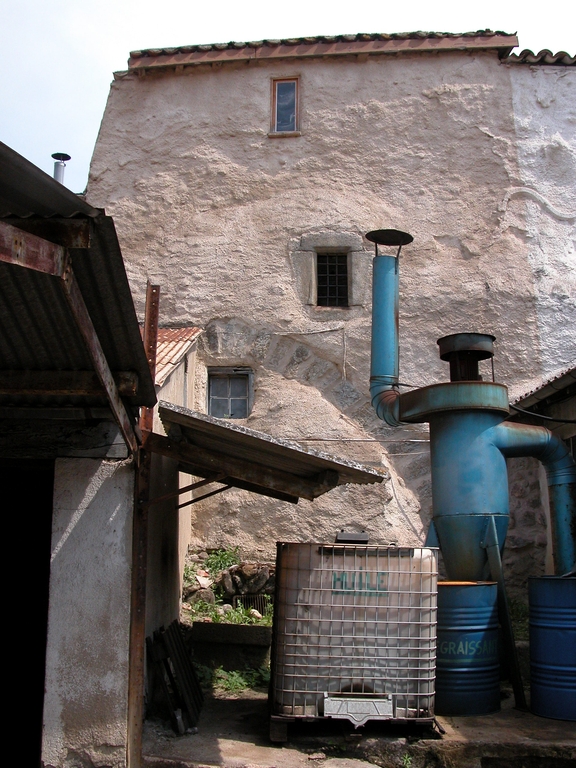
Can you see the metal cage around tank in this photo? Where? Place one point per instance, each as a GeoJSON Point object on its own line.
{"type": "Point", "coordinates": [354, 632]}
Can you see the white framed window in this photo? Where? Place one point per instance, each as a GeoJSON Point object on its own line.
{"type": "Point", "coordinates": [285, 106]}
{"type": "Point", "coordinates": [230, 392]}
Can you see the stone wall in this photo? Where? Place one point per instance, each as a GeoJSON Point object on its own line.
{"type": "Point", "coordinates": [470, 155]}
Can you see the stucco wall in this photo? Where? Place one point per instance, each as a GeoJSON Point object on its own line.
{"type": "Point", "coordinates": [85, 705]}
{"type": "Point", "coordinates": [222, 216]}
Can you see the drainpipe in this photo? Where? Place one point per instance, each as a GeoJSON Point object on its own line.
{"type": "Point", "coordinates": [384, 369]}
{"type": "Point", "coordinates": [515, 440]}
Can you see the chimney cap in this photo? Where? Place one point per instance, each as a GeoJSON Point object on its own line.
{"type": "Point", "coordinates": [480, 345]}
{"type": "Point", "coordinates": [389, 237]}
{"type": "Point", "coordinates": [62, 156]}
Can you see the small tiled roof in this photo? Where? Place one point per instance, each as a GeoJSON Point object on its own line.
{"type": "Point", "coordinates": [173, 344]}
{"type": "Point", "coordinates": [560, 59]}
{"type": "Point", "coordinates": [317, 46]}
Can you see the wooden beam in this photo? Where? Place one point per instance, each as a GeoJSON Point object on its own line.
{"type": "Point", "coordinates": [201, 461]}
{"type": "Point", "coordinates": [86, 328]}
{"type": "Point", "coordinates": [206, 496]}
{"type": "Point", "coordinates": [29, 251]}
{"type": "Point", "coordinates": [138, 611]}
{"type": "Point", "coordinates": [69, 233]}
{"type": "Point", "coordinates": [187, 469]}
{"type": "Point", "coordinates": [185, 489]}
{"type": "Point", "coordinates": [64, 383]}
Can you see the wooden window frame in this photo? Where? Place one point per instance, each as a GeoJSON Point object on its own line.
{"type": "Point", "coordinates": [274, 132]}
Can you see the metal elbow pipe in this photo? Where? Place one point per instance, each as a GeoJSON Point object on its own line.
{"type": "Point", "coordinates": [515, 440]}
{"type": "Point", "coordinates": [527, 440]}
{"type": "Point", "coordinates": [385, 401]}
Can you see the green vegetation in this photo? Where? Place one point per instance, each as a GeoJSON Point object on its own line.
{"type": "Point", "coordinates": [406, 760]}
{"type": "Point", "coordinates": [218, 615]}
{"type": "Point", "coordinates": [233, 681]}
{"type": "Point", "coordinates": [220, 559]}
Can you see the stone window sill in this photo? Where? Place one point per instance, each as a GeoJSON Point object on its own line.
{"type": "Point", "coordinates": [283, 134]}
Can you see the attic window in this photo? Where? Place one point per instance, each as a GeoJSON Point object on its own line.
{"type": "Point", "coordinates": [332, 279]}
{"type": "Point", "coordinates": [229, 392]}
{"type": "Point", "coordinates": [285, 117]}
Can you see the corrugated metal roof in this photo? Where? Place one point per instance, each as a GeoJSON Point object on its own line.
{"type": "Point", "coordinates": [338, 45]}
{"type": "Point", "coordinates": [205, 446]}
{"type": "Point", "coordinates": [548, 388]}
{"type": "Point", "coordinates": [560, 59]}
{"type": "Point", "coordinates": [25, 190]}
{"type": "Point", "coordinates": [172, 346]}
{"type": "Point", "coordinates": [37, 329]}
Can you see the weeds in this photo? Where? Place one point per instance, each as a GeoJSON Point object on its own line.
{"type": "Point", "coordinates": [220, 559]}
{"type": "Point", "coordinates": [218, 615]}
{"type": "Point", "coordinates": [232, 681]}
{"type": "Point", "coordinates": [406, 760]}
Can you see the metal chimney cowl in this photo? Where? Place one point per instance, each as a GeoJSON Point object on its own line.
{"type": "Point", "coordinates": [61, 159]}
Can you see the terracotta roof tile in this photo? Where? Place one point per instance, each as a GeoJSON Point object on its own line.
{"type": "Point", "coordinates": [324, 45]}
{"type": "Point", "coordinates": [561, 58]}
{"type": "Point", "coordinates": [173, 344]}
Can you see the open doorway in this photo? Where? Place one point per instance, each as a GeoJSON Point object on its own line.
{"type": "Point", "coordinates": [27, 488]}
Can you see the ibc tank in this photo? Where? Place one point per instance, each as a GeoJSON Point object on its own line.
{"type": "Point", "coordinates": [467, 665]}
{"type": "Point", "coordinates": [354, 632]}
{"type": "Point", "coordinates": [552, 602]}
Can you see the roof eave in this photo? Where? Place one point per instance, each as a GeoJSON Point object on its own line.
{"type": "Point", "coordinates": [141, 61]}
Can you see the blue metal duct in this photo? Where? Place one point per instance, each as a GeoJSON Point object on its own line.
{"type": "Point", "coordinates": [469, 439]}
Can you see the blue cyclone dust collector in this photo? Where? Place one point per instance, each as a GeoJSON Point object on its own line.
{"type": "Point", "coordinates": [470, 441]}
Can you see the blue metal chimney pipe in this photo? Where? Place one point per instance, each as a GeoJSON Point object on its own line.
{"type": "Point", "coordinates": [385, 364]}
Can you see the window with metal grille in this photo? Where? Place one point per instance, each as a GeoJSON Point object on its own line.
{"type": "Point", "coordinates": [229, 393]}
{"type": "Point", "coordinates": [332, 280]}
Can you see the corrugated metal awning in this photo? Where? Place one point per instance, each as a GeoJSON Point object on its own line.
{"type": "Point", "coordinates": [236, 456]}
{"type": "Point", "coordinates": [70, 345]}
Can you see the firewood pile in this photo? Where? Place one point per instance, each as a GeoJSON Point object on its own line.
{"type": "Point", "coordinates": [238, 580]}
{"type": "Point", "coordinates": [247, 579]}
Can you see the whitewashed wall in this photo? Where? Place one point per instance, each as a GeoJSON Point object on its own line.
{"type": "Point", "coordinates": [222, 216]}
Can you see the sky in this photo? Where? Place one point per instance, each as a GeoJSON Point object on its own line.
{"type": "Point", "coordinates": [59, 55]}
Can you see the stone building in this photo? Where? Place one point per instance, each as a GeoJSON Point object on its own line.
{"type": "Point", "coordinates": [242, 178]}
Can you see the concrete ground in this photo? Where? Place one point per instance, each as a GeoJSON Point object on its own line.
{"type": "Point", "coordinates": [233, 733]}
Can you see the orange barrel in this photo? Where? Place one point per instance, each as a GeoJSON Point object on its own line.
{"type": "Point", "coordinates": [467, 663]}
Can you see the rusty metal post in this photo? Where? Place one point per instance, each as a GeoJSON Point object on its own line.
{"type": "Point", "coordinates": [151, 316]}
{"type": "Point", "coordinates": [140, 552]}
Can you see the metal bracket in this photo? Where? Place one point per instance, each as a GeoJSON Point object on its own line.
{"type": "Point", "coordinates": [490, 544]}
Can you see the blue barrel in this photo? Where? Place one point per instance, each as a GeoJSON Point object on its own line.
{"type": "Point", "coordinates": [553, 646]}
{"type": "Point", "coordinates": [467, 662]}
